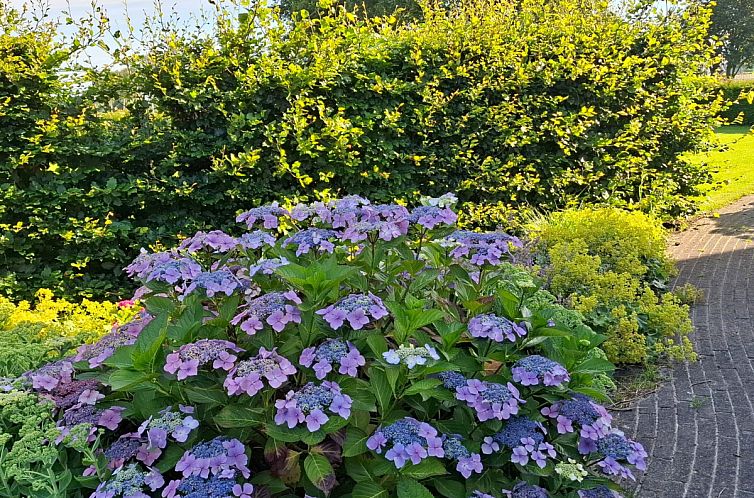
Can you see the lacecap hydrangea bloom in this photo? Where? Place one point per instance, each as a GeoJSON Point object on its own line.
{"type": "Point", "coordinates": [431, 216]}
{"type": "Point", "coordinates": [223, 485]}
{"type": "Point", "coordinates": [248, 376]}
{"type": "Point", "coordinates": [526, 490]}
{"type": "Point", "coordinates": [571, 470]}
{"type": "Point", "coordinates": [122, 335]}
{"type": "Point", "coordinates": [319, 239]}
{"type": "Point", "coordinates": [411, 355]}
{"type": "Point", "coordinates": [490, 400]}
{"type": "Point", "coordinates": [495, 328]}
{"type": "Point", "coordinates": [357, 309]}
{"type": "Point", "coordinates": [616, 449]}
{"type": "Point", "coordinates": [170, 423]}
{"type": "Point", "coordinates": [276, 309]}
{"type": "Point", "coordinates": [129, 482]}
{"type": "Point", "coordinates": [219, 456]}
{"type": "Point", "coordinates": [333, 352]}
{"type": "Point", "coordinates": [481, 249]}
{"type": "Point", "coordinates": [221, 281]}
{"type": "Point", "coordinates": [467, 462]}
{"type": "Point", "coordinates": [407, 440]}
{"type": "Point", "coordinates": [526, 440]}
{"type": "Point", "coordinates": [535, 370]}
{"type": "Point", "coordinates": [599, 492]}
{"type": "Point", "coordinates": [269, 216]}
{"type": "Point", "coordinates": [310, 405]}
{"type": "Point", "coordinates": [213, 241]}
{"type": "Point", "coordinates": [186, 361]}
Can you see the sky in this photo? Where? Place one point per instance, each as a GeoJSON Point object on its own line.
{"type": "Point", "coordinates": [118, 11]}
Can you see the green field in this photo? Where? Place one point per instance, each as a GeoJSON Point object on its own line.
{"type": "Point", "coordinates": [732, 168]}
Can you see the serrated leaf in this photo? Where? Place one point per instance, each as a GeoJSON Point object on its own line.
{"type": "Point", "coordinates": [369, 490]}
{"type": "Point", "coordinates": [426, 468]}
{"type": "Point", "coordinates": [317, 469]}
{"type": "Point", "coordinates": [236, 416]}
{"type": "Point", "coordinates": [409, 488]}
{"type": "Point", "coordinates": [355, 442]}
{"type": "Point", "coordinates": [422, 385]}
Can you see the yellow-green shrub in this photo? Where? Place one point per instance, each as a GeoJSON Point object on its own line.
{"type": "Point", "coordinates": [31, 334]}
{"type": "Point", "coordinates": [611, 266]}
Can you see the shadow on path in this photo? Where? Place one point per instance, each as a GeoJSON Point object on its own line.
{"type": "Point", "coordinates": [699, 427]}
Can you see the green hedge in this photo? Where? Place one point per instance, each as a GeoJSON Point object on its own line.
{"type": "Point", "coordinates": [536, 103]}
{"type": "Point", "coordinates": [741, 111]}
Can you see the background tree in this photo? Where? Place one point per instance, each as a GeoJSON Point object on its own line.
{"type": "Point", "coordinates": [733, 23]}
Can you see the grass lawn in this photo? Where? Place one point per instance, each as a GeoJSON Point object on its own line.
{"type": "Point", "coordinates": [732, 169]}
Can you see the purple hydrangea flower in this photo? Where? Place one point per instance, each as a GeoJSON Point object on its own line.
{"type": "Point", "coordinates": [123, 449]}
{"type": "Point", "coordinates": [256, 239]}
{"type": "Point", "coordinates": [593, 419]}
{"type": "Point", "coordinates": [124, 335]}
{"type": "Point", "coordinates": [186, 361]}
{"type": "Point", "coordinates": [534, 370]}
{"type": "Point", "coordinates": [308, 405]}
{"type": "Point", "coordinates": [221, 281]}
{"type": "Point", "coordinates": [481, 248]}
{"type": "Point", "coordinates": [129, 482]}
{"type": "Point", "coordinates": [479, 494]}
{"type": "Point", "coordinates": [269, 215]}
{"type": "Point", "coordinates": [214, 241]}
{"type": "Point", "coordinates": [277, 309]}
{"type": "Point", "coordinates": [333, 352]}
{"type": "Point", "coordinates": [495, 328]}
{"type": "Point", "coordinates": [490, 399]}
{"type": "Point", "coordinates": [432, 216]}
{"type": "Point", "coordinates": [312, 238]}
{"type": "Point", "coordinates": [145, 263]}
{"type": "Point", "coordinates": [467, 462]}
{"type": "Point", "coordinates": [47, 377]}
{"type": "Point", "coordinates": [267, 266]}
{"type": "Point", "coordinates": [248, 375]}
{"type": "Point", "coordinates": [599, 492]}
{"type": "Point", "coordinates": [170, 268]}
{"type": "Point", "coordinates": [406, 440]}
{"type": "Point", "coordinates": [213, 486]}
{"type": "Point", "coordinates": [219, 456]}
{"type": "Point", "coordinates": [525, 438]}
{"type": "Point", "coordinates": [452, 380]}
{"type": "Point", "coordinates": [91, 416]}
{"type": "Point", "coordinates": [176, 424]}
{"type": "Point", "coordinates": [358, 309]}
{"type": "Point", "coordinates": [411, 355]}
{"type": "Point", "coordinates": [616, 448]}
{"type": "Point", "coordinates": [526, 490]}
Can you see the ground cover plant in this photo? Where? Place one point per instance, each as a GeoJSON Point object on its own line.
{"type": "Point", "coordinates": [33, 333]}
{"type": "Point", "coordinates": [334, 349]}
{"type": "Point", "coordinates": [516, 104]}
{"type": "Point", "coordinates": [611, 266]}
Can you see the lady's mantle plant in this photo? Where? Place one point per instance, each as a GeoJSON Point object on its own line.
{"type": "Point", "coordinates": [338, 349]}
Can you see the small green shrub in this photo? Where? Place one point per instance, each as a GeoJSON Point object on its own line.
{"type": "Point", "coordinates": [52, 328]}
{"type": "Point", "coordinates": [611, 266]}
{"type": "Point", "coordinates": [741, 110]}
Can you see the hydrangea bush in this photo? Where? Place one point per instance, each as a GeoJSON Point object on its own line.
{"type": "Point", "coordinates": [337, 349]}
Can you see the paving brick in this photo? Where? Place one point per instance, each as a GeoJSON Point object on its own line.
{"type": "Point", "coordinates": [699, 428]}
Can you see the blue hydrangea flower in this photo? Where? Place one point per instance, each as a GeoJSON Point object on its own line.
{"type": "Point", "coordinates": [308, 405]}
{"type": "Point", "coordinates": [535, 369]}
{"type": "Point", "coordinates": [269, 215]}
{"type": "Point", "coordinates": [214, 241]}
{"type": "Point", "coordinates": [526, 490]}
{"type": "Point", "coordinates": [276, 309]}
{"type": "Point", "coordinates": [481, 248]}
{"type": "Point", "coordinates": [406, 440]}
{"type": "Point", "coordinates": [129, 481]}
{"type": "Point", "coordinates": [333, 352]}
{"type": "Point", "coordinates": [312, 238]}
{"type": "Point", "coordinates": [495, 328]}
{"type": "Point", "coordinates": [256, 239]}
{"type": "Point", "coordinates": [490, 399]}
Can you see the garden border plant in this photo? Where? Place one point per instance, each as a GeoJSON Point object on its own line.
{"type": "Point", "coordinates": [370, 351]}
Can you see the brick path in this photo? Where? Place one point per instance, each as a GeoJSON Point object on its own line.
{"type": "Point", "coordinates": [699, 427]}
